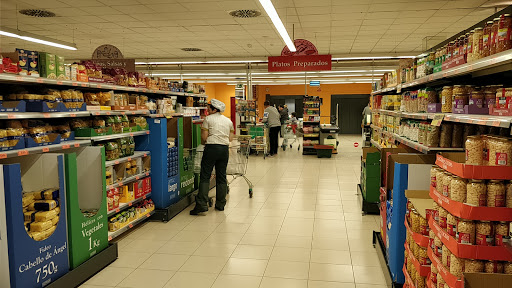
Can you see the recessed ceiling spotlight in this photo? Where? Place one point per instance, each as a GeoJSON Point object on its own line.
{"type": "Point", "coordinates": [245, 13]}
{"type": "Point", "coordinates": [192, 49]}
{"type": "Point", "coordinates": [37, 13]}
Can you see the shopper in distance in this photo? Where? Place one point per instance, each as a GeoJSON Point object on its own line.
{"type": "Point", "coordinates": [283, 113]}
{"type": "Point", "coordinates": [273, 120]}
{"type": "Point", "coordinates": [216, 133]}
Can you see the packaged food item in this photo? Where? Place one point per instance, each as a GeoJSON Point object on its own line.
{"type": "Point", "coordinates": [27, 199]}
{"type": "Point", "coordinates": [40, 226]}
{"type": "Point", "coordinates": [111, 151]}
{"type": "Point", "coordinates": [507, 267]}
{"type": "Point", "coordinates": [501, 236]}
{"type": "Point", "coordinates": [433, 133]}
{"type": "Point", "coordinates": [415, 219]}
{"type": "Point", "coordinates": [508, 192]}
{"type": "Point", "coordinates": [43, 205]}
{"type": "Point", "coordinates": [443, 214]}
{"type": "Point", "coordinates": [433, 174]}
{"type": "Point", "coordinates": [439, 247]}
{"type": "Point", "coordinates": [486, 39]}
{"type": "Point", "coordinates": [48, 66]}
{"type": "Point", "coordinates": [457, 133]}
{"type": "Point", "coordinates": [41, 216]}
{"type": "Point", "coordinates": [474, 150]}
{"type": "Point", "coordinates": [504, 29]}
{"type": "Point", "coordinates": [445, 138]}
{"type": "Point", "coordinates": [473, 266]}
{"type": "Point", "coordinates": [456, 266]}
{"type": "Point", "coordinates": [466, 232]}
{"type": "Point", "coordinates": [440, 281]}
{"type": "Point", "coordinates": [484, 233]}
{"type": "Point", "coordinates": [446, 257]}
{"type": "Point", "coordinates": [451, 224]}
{"type": "Point", "coordinates": [125, 123]}
{"type": "Point", "coordinates": [446, 99]}
{"type": "Point", "coordinates": [458, 189]}
{"type": "Point", "coordinates": [495, 194]}
{"type": "Point", "coordinates": [78, 123]}
{"type": "Point", "coordinates": [494, 36]}
{"type": "Point", "coordinates": [447, 181]}
{"type": "Point", "coordinates": [500, 151]}
{"type": "Point", "coordinates": [493, 267]}
{"type": "Point", "coordinates": [47, 194]}
{"type": "Point", "coordinates": [476, 193]}
{"type": "Point", "coordinates": [433, 275]}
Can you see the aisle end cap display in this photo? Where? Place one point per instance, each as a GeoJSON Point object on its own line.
{"type": "Point", "coordinates": [424, 270]}
{"type": "Point", "coordinates": [420, 239]}
{"type": "Point", "coordinates": [421, 201]}
{"type": "Point", "coordinates": [454, 163]}
{"type": "Point", "coordinates": [449, 278]}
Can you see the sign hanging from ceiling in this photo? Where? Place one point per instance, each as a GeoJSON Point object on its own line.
{"type": "Point", "coordinates": [306, 58]}
{"type": "Point", "coordinates": [109, 56]}
{"type": "Point", "coordinates": [314, 83]}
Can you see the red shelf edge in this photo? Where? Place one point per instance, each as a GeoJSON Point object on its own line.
{"type": "Point", "coordinates": [420, 239]}
{"type": "Point", "coordinates": [465, 211]}
{"type": "Point", "coordinates": [424, 270]}
{"type": "Point", "coordinates": [407, 277]}
{"type": "Point", "coordinates": [474, 171]}
{"type": "Point", "coordinates": [450, 279]}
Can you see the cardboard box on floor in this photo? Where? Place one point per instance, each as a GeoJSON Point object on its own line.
{"type": "Point", "coordinates": [484, 280]}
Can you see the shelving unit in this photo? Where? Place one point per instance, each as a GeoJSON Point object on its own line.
{"type": "Point", "coordinates": [123, 206]}
{"type": "Point", "coordinates": [137, 154]}
{"type": "Point", "coordinates": [117, 233]}
{"type": "Point", "coordinates": [311, 122]}
{"type": "Point", "coordinates": [114, 136]}
{"type": "Point", "coordinates": [129, 180]}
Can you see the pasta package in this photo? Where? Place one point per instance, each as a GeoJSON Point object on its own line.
{"type": "Point", "coordinates": [39, 226]}
{"type": "Point", "coordinates": [55, 221]}
{"type": "Point", "coordinates": [43, 205]}
{"type": "Point", "coordinates": [49, 194]}
{"type": "Point", "coordinates": [27, 200]}
{"type": "Point", "coordinates": [41, 216]}
{"type": "Point", "coordinates": [42, 235]}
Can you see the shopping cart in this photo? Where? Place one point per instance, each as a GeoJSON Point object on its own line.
{"type": "Point", "coordinates": [259, 139]}
{"type": "Point", "coordinates": [238, 159]}
{"type": "Point", "coordinates": [289, 135]}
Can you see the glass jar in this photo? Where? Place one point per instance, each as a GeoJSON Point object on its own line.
{"type": "Point", "coordinates": [435, 212]}
{"type": "Point", "coordinates": [494, 35]}
{"type": "Point", "coordinates": [493, 267]}
{"type": "Point", "coordinates": [440, 281]}
{"type": "Point", "coordinates": [477, 98]}
{"type": "Point", "coordinates": [508, 194]}
{"type": "Point", "coordinates": [445, 258]}
{"type": "Point", "coordinates": [466, 232]}
{"type": "Point", "coordinates": [484, 233]}
{"type": "Point", "coordinates": [473, 266]}
{"type": "Point", "coordinates": [458, 89]}
{"type": "Point", "coordinates": [495, 193]}
{"type": "Point", "coordinates": [500, 151]}
{"type": "Point", "coordinates": [439, 247]}
{"type": "Point", "coordinates": [451, 225]}
{"type": "Point", "coordinates": [487, 39]}
{"type": "Point", "coordinates": [474, 150]}
{"type": "Point", "coordinates": [456, 266]}
{"type": "Point", "coordinates": [507, 267]}
{"type": "Point", "coordinates": [445, 138]}
{"type": "Point", "coordinates": [443, 214]}
{"type": "Point", "coordinates": [476, 193]}
{"type": "Point", "coordinates": [415, 221]}
{"type": "Point", "coordinates": [458, 189]}
{"type": "Point", "coordinates": [501, 233]}
{"type": "Point", "coordinates": [478, 43]}
{"type": "Point", "coordinates": [433, 136]}
{"type": "Point", "coordinates": [446, 99]}
{"type": "Point", "coordinates": [460, 99]}
{"type": "Point", "coordinates": [503, 39]}
{"type": "Point", "coordinates": [447, 180]}
{"type": "Point", "coordinates": [433, 276]}
{"type": "Point", "coordinates": [433, 174]}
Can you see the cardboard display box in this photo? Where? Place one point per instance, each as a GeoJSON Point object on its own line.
{"type": "Point", "coordinates": [24, 261]}
{"type": "Point", "coordinates": [486, 280]}
{"type": "Point", "coordinates": [454, 163]}
{"type": "Point", "coordinates": [449, 278]}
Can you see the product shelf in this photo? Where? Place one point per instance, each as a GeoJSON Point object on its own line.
{"type": "Point", "coordinates": [429, 284]}
{"type": "Point", "coordinates": [377, 145]}
{"type": "Point", "coordinates": [18, 79]}
{"type": "Point", "coordinates": [384, 90]}
{"type": "Point", "coordinates": [449, 278]}
{"type": "Point", "coordinates": [123, 206]}
{"type": "Point", "coordinates": [408, 279]}
{"type": "Point", "coordinates": [114, 136]}
{"type": "Point", "coordinates": [311, 135]}
{"type": "Point", "coordinates": [129, 180]}
{"type": "Point", "coordinates": [41, 115]}
{"type": "Point", "coordinates": [136, 154]}
{"type": "Point", "coordinates": [44, 149]}
{"type": "Point", "coordinates": [422, 269]}
{"type": "Point", "coordinates": [465, 211]}
{"type": "Point", "coordinates": [112, 235]}
{"type": "Point", "coordinates": [422, 148]}
{"type": "Point", "coordinates": [118, 112]}
{"type": "Point", "coordinates": [472, 171]}
{"type": "Point", "coordinates": [477, 252]}
{"type": "Point", "coordinates": [420, 239]}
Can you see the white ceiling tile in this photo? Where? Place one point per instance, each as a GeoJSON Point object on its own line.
{"type": "Point", "coordinates": [118, 18]}
{"type": "Point", "coordinates": [132, 9]}
{"type": "Point", "coordinates": [105, 10]}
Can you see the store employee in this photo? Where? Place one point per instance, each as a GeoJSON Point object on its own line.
{"type": "Point", "coordinates": [216, 133]}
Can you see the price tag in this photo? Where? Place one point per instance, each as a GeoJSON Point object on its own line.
{"type": "Point", "coordinates": [147, 132]}
{"type": "Point", "coordinates": [97, 113]}
{"type": "Point", "coordinates": [99, 85]}
{"type": "Point", "coordinates": [133, 112]}
{"type": "Point", "coordinates": [84, 85]}
{"type": "Point", "coordinates": [72, 115]}
{"type": "Point", "coordinates": [3, 155]}
{"type": "Point", "coordinates": [481, 122]}
{"type": "Point", "coordinates": [108, 113]}
{"type": "Point", "coordinates": [39, 80]}
{"type": "Point", "coordinates": [18, 78]}
{"type": "Point", "coordinates": [130, 225]}
{"type": "Point", "coordinates": [118, 210]}
{"type": "Point", "coordinates": [145, 154]}
{"type": "Point", "coordinates": [77, 145]}
{"type": "Point", "coordinates": [123, 113]}
{"type": "Point", "coordinates": [22, 153]}
{"type": "Point", "coordinates": [438, 119]}
{"type": "Point", "coordinates": [137, 177]}
{"type": "Point", "coordinates": [46, 115]}
{"type": "Point", "coordinates": [110, 187]}
{"type": "Point", "coordinates": [11, 116]}
{"type": "Point", "coordinates": [147, 215]}
{"type": "Point", "coordinates": [129, 158]}
{"type": "Point", "coordinates": [109, 238]}
{"type": "Point", "coordinates": [144, 197]}
{"type": "Point", "coordinates": [147, 173]}
{"type": "Point", "coordinates": [130, 204]}
{"type": "Point", "coordinates": [59, 82]}
{"type": "Point", "coordinates": [117, 162]}
{"type": "Point", "coordinates": [496, 123]}
{"type": "Point", "coordinates": [65, 146]}
{"type": "Point", "coordinates": [74, 84]}
{"type": "Point", "coordinates": [131, 134]}
{"type": "Point", "coordinates": [46, 149]}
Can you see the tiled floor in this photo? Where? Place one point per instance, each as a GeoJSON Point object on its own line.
{"type": "Point", "coordinates": [302, 228]}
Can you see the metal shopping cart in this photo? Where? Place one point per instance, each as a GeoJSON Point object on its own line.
{"type": "Point", "coordinates": [289, 135]}
{"type": "Point", "coordinates": [259, 139]}
{"type": "Point", "coordinates": [238, 159]}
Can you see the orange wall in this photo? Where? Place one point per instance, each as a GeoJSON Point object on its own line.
{"type": "Point", "coordinates": [324, 91]}
{"type": "Point", "coordinates": [221, 92]}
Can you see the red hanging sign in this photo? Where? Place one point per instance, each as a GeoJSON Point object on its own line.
{"type": "Point", "coordinates": [299, 63]}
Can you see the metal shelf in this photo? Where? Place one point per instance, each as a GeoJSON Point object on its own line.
{"type": "Point", "coordinates": [43, 149]}
{"type": "Point", "coordinates": [424, 149]}
{"type": "Point", "coordinates": [136, 154]}
{"type": "Point", "coordinates": [117, 112]}
{"type": "Point", "coordinates": [129, 180]}
{"type": "Point", "coordinates": [39, 115]}
{"type": "Point", "coordinates": [112, 235]}
{"type": "Point", "coordinates": [16, 79]}
{"type": "Point", "coordinates": [123, 206]}
{"type": "Point", "coordinates": [114, 136]}
{"type": "Point", "coordinates": [375, 144]}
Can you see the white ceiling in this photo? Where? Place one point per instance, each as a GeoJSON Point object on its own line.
{"type": "Point", "coordinates": [157, 29]}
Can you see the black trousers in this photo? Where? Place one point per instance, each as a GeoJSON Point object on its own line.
{"type": "Point", "coordinates": [274, 139]}
{"type": "Point", "coordinates": [217, 156]}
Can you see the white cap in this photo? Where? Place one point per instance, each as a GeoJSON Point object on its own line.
{"type": "Point", "coordinates": [218, 104]}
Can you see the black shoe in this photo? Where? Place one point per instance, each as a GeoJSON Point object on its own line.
{"type": "Point", "coordinates": [196, 212]}
{"type": "Point", "coordinates": [219, 209]}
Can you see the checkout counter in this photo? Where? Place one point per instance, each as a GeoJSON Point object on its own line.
{"type": "Point", "coordinates": [329, 136]}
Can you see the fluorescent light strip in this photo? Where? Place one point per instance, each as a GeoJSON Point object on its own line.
{"type": "Point", "coordinates": [373, 58]}
{"type": "Point", "coordinates": [201, 62]}
{"type": "Point", "coordinates": [20, 35]}
{"type": "Point", "coordinates": [272, 13]}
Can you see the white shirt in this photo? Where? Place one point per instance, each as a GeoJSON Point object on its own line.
{"type": "Point", "coordinates": [219, 127]}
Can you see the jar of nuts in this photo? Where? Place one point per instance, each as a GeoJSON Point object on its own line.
{"type": "Point", "coordinates": [451, 225]}
{"type": "Point", "coordinates": [433, 274]}
{"type": "Point", "coordinates": [433, 174]}
{"type": "Point", "coordinates": [476, 193]}
{"type": "Point", "coordinates": [423, 226]}
{"type": "Point", "coordinates": [445, 138]}
{"type": "Point", "coordinates": [431, 236]}
{"type": "Point", "coordinates": [493, 267]}
{"type": "Point", "coordinates": [442, 217]}
{"type": "Point", "coordinates": [423, 257]}
{"type": "Point", "coordinates": [500, 151]}
{"type": "Point", "coordinates": [495, 193]}
{"type": "Point", "coordinates": [473, 266]}
{"type": "Point", "coordinates": [420, 281]}
{"type": "Point", "coordinates": [507, 267]}
{"type": "Point", "coordinates": [485, 150]}
{"type": "Point", "coordinates": [439, 247]}
{"type": "Point", "coordinates": [435, 212]}
{"type": "Point", "coordinates": [508, 194]}
{"type": "Point", "coordinates": [501, 236]}
{"type": "Point", "coordinates": [415, 221]}
{"type": "Point", "coordinates": [474, 150]}
{"type": "Point", "coordinates": [446, 99]}
{"type": "Point", "coordinates": [445, 258]}
{"type": "Point", "coordinates": [458, 189]}
{"type": "Point", "coordinates": [440, 281]}
{"type": "Point", "coordinates": [466, 232]}
{"type": "Point", "coordinates": [456, 266]}
{"type": "Point", "coordinates": [447, 180]}
{"type": "Point", "coordinates": [484, 233]}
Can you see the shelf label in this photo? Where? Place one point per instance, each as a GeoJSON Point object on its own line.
{"type": "Point", "coordinates": [481, 122]}
{"type": "Point", "coordinates": [18, 78]}
{"type": "Point", "coordinates": [11, 116]}
{"type": "Point", "coordinates": [65, 146]}
{"type": "Point", "coordinates": [46, 115]}
{"type": "Point", "coordinates": [137, 177]}
{"type": "Point", "coordinates": [147, 132]}
{"type": "Point", "coordinates": [97, 113]}
{"type": "Point", "coordinates": [144, 197]}
{"type": "Point", "coordinates": [46, 149]}
{"type": "Point", "coordinates": [3, 155]}
{"type": "Point", "coordinates": [74, 84]}
{"type": "Point", "coordinates": [147, 215]}
{"type": "Point", "coordinates": [117, 162]}
{"type": "Point", "coordinates": [130, 225]}
{"type": "Point", "coordinates": [84, 85]}
{"type": "Point", "coordinates": [133, 112]}
{"type": "Point", "coordinates": [39, 80]}
{"type": "Point", "coordinates": [131, 134]}
{"type": "Point", "coordinates": [77, 145]}
{"type": "Point", "coordinates": [72, 115]}
{"type": "Point", "coordinates": [118, 210]}
{"type": "Point", "coordinates": [59, 82]}
{"type": "Point", "coordinates": [145, 154]}
{"type": "Point", "coordinates": [123, 113]}
{"type": "Point", "coordinates": [438, 118]}
{"type": "Point", "coordinates": [130, 204]}
{"type": "Point", "coordinates": [98, 85]}
{"type": "Point", "coordinates": [22, 153]}
{"type": "Point", "coordinates": [108, 113]}
{"type": "Point", "coordinates": [109, 238]}
{"type": "Point", "coordinates": [496, 123]}
{"type": "Point", "coordinates": [129, 158]}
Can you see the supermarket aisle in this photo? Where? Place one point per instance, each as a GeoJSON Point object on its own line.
{"type": "Point", "coordinates": [303, 228]}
